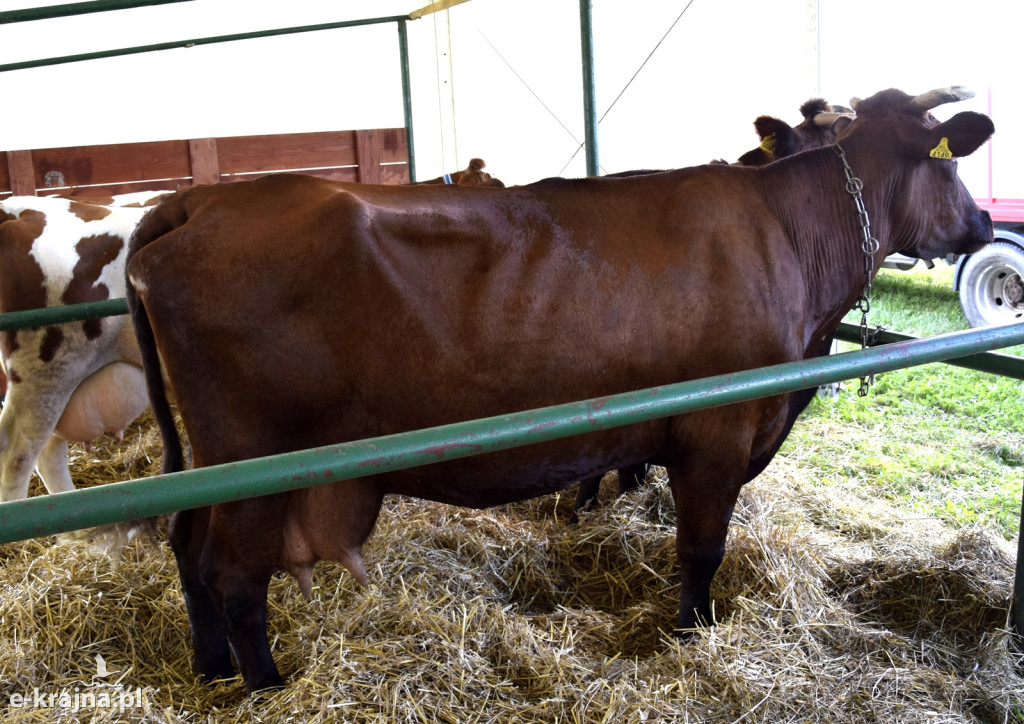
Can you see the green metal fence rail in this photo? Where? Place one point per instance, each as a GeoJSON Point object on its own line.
{"type": "Point", "coordinates": [997, 364]}
{"type": "Point", "coordinates": [61, 11]}
{"type": "Point", "coordinates": [57, 315]}
{"type": "Point", "coordinates": [162, 494]}
{"type": "Point", "coordinates": [188, 43]}
{"type": "Point", "coordinates": [991, 362]}
{"type": "Point", "coordinates": [48, 514]}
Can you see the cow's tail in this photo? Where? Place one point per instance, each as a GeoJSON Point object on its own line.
{"type": "Point", "coordinates": [153, 225]}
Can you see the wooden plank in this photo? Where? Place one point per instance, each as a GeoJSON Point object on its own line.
{"type": "Point", "coordinates": [19, 169]}
{"type": "Point", "coordinates": [5, 176]}
{"type": "Point", "coordinates": [154, 165]}
{"type": "Point", "coordinates": [341, 173]}
{"type": "Point", "coordinates": [393, 147]}
{"type": "Point", "coordinates": [285, 152]}
{"type": "Point", "coordinates": [367, 157]}
{"type": "Point", "coordinates": [397, 173]}
{"type": "Point", "coordinates": [202, 154]}
{"type": "Point", "coordinates": [110, 164]}
{"type": "Point", "coordinates": [123, 188]}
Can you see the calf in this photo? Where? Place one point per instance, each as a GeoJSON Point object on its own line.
{"type": "Point", "coordinates": [73, 381]}
{"type": "Point", "coordinates": [292, 312]}
{"type": "Point", "coordinates": [474, 175]}
{"type": "Point", "coordinates": [822, 123]}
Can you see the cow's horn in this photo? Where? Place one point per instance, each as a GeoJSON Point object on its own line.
{"type": "Point", "coordinates": [842, 109]}
{"type": "Point", "coordinates": [931, 99]}
{"type": "Point", "coordinates": [827, 118]}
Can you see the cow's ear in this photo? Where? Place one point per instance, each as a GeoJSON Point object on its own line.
{"type": "Point", "coordinates": [840, 124]}
{"type": "Point", "coordinates": [776, 135]}
{"type": "Point", "coordinates": [960, 136]}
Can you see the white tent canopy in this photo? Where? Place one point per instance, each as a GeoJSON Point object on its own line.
{"type": "Point", "coordinates": [501, 80]}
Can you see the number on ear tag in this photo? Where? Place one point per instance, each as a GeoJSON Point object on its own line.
{"type": "Point", "coordinates": [942, 150]}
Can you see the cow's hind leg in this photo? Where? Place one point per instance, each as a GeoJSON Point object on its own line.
{"type": "Point", "coordinates": [244, 602]}
{"type": "Point", "coordinates": [705, 495]}
{"type": "Point", "coordinates": [26, 424]}
{"type": "Point", "coordinates": [53, 466]}
{"type": "Point", "coordinates": [188, 530]}
{"type": "Point", "coordinates": [237, 570]}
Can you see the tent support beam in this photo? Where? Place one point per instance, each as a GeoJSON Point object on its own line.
{"type": "Point", "coordinates": [589, 87]}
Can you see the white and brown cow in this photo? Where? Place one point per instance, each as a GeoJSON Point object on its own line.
{"type": "Point", "coordinates": [77, 380]}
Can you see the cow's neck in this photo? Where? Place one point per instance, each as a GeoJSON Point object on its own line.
{"type": "Point", "coordinates": [828, 240]}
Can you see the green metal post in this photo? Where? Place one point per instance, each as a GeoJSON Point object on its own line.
{"type": "Point", "coordinates": [162, 494]}
{"type": "Point", "coordinates": [403, 49]}
{"type": "Point", "coordinates": [60, 11]}
{"type": "Point", "coordinates": [589, 88]}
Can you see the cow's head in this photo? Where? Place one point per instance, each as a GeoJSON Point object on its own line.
{"type": "Point", "coordinates": [820, 126]}
{"type": "Point", "coordinates": [931, 213]}
{"type": "Point", "coordinates": [474, 175]}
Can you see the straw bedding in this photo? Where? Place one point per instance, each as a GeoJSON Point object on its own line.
{"type": "Point", "coordinates": [831, 608]}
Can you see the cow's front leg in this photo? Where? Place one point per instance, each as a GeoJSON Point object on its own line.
{"type": "Point", "coordinates": [587, 493]}
{"type": "Point", "coordinates": [632, 477]}
{"type": "Point", "coordinates": [187, 535]}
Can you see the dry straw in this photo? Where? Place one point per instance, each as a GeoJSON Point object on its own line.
{"type": "Point", "coordinates": [832, 608]}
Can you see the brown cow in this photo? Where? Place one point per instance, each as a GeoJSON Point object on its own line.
{"type": "Point", "coordinates": [474, 175]}
{"type": "Point", "coordinates": [292, 312]}
{"type": "Point", "coordinates": [822, 122]}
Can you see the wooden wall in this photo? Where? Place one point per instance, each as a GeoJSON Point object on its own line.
{"type": "Point", "coordinates": [367, 156]}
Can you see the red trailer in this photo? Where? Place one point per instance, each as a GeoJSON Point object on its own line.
{"type": "Point", "coordinates": [991, 282]}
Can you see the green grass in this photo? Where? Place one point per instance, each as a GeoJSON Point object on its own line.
{"type": "Point", "coordinates": [936, 440]}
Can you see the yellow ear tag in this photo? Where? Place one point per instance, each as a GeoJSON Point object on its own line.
{"type": "Point", "coordinates": [768, 144]}
{"type": "Point", "coordinates": [942, 150]}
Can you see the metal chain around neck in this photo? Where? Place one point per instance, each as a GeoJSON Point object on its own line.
{"type": "Point", "coordinates": [869, 245]}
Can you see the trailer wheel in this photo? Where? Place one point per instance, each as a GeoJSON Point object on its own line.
{"type": "Point", "coordinates": [991, 285]}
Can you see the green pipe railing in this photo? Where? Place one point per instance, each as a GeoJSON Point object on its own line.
{"type": "Point", "coordinates": [57, 315]}
{"type": "Point", "coordinates": [991, 362]}
{"type": "Point", "coordinates": [61, 11]}
{"type": "Point", "coordinates": [997, 364]}
{"type": "Point", "coordinates": [196, 41]}
{"type": "Point", "coordinates": [163, 494]}
{"type": "Point", "coordinates": [45, 515]}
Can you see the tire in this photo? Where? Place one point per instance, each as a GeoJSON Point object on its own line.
{"type": "Point", "coordinates": [991, 285]}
